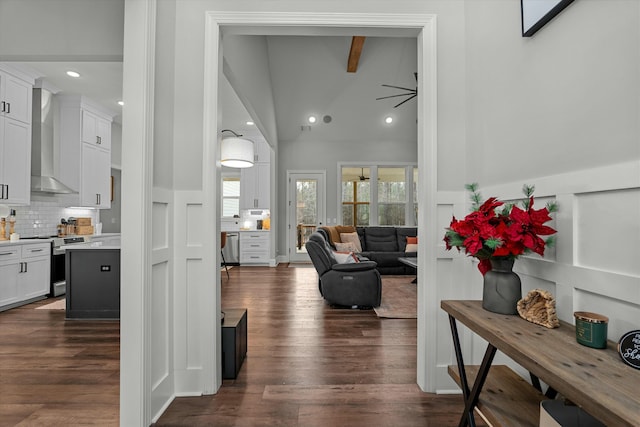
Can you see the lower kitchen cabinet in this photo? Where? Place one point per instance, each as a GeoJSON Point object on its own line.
{"type": "Point", "coordinates": [254, 247]}
{"type": "Point", "coordinates": [25, 271]}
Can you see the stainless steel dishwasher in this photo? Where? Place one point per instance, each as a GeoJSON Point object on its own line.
{"type": "Point", "coordinates": [231, 250]}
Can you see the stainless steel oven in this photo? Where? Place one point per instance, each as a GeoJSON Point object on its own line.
{"type": "Point", "coordinates": [58, 278]}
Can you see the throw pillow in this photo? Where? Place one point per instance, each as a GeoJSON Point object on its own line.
{"type": "Point", "coordinates": [345, 257]}
{"type": "Point", "coordinates": [348, 247]}
{"type": "Point", "coordinates": [353, 238]}
{"type": "Point", "coordinates": [412, 244]}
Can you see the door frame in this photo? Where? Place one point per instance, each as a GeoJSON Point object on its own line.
{"type": "Point", "coordinates": [292, 255]}
{"type": "Point", "coordinates": [423, 26]}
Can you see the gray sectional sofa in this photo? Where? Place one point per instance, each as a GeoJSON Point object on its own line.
{"type": "Point", "coordinates": [382, 244]}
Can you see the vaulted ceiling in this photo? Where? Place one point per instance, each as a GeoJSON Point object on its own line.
{"type": "Point", "coordinates": [308, 75]}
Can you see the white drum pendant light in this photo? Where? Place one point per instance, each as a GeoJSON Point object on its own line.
{"type": "Point", "coordinates": [236, 152]}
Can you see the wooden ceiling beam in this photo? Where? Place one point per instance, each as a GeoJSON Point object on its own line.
{"type": "Point", "coordinates": [354, 54]}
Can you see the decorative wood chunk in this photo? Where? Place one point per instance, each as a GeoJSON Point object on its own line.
{"type": "Point", "coordinates": [539, 307]}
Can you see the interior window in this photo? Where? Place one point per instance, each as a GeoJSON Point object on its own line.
{"type": "Point", "coordinates": [230, 196]}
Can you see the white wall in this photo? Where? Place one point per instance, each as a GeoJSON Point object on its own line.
{"type": "Point", "coordinates": [68, 30]}
{"type": "Point", "coordinates": [565, 99]}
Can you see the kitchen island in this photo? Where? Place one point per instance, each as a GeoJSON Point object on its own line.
{"type": "Point", "coordinates": [93, 281]}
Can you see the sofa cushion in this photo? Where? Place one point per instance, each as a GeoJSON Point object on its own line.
{"type": "Point", "coordinates": [380, 239]}
{"type": "Point", "coordinates": [348, 246]}
{"type": "Point", "coordinates": [353, 239]}
{"type": "Point", "coordinates": [333, 232]}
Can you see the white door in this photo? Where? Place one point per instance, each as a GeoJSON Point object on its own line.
{"type": "Point", "coordinates": [306, 209]}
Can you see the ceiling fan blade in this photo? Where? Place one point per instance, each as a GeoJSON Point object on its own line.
{"type": "Point", "coordinates": [399, 87]}
{"type": "Point", "coordinates": [408, 99]}
{"type": "Point", "coordinates": [394, 96]}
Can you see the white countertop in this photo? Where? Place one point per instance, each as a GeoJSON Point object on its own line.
{"type": "Point", "coordinates": [25, 241]}
{"type": "Point", "coordinates": [89, 245]}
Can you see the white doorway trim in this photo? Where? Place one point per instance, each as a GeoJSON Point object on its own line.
{"type": "Point", "coordinates": [425, 28]}
{"type": "Point", "coordinates": [321, 177]}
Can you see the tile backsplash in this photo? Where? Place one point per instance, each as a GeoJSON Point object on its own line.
{"type": "Point", "coordinates": [42, 217]}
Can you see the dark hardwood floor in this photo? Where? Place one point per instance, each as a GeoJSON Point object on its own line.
{"type": "Point", "coordinates": [307, 365]}
{"type": "Point", "coordinates": [56, 372]}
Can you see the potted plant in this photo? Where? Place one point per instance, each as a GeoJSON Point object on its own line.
{"type": "Point", "coordinates": [497, 233]}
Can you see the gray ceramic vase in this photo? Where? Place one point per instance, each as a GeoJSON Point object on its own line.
{"type": "Point", "coordinates": [502, 288]}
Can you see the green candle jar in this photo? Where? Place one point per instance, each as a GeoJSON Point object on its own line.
{"type": "Point", "coordinates": [591, 329]}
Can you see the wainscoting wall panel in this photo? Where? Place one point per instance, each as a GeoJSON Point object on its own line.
{"type": "Point", "coordinates": [161, 376]}
{"type": "Point", "coordinates": [608, 227]}
{"type": "Point", "coordinates": [595, 264]}
{"type": "Point", "coordinates": [187, 292]}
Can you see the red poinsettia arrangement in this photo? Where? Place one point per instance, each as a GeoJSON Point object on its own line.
{"type": "Point", "coordinates": [488, 232]}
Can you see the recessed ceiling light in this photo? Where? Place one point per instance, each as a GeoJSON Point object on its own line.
{"type": "Point", "coordinates": [121, 103]}
{"type": "Point", "coordinates": [312, 119]}
{"type": "Point", "coordinates": [73, 74]}
{"type": "Point", "coordinates": [388, 120]}
{"type": "Point", "coordinates": [250, 123]}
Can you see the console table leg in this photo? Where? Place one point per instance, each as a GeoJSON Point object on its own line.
{"type": "Point", "coordinates": [470, 396]}
{"type": "Point", "coordinates": [550, 393]}
{"type": "Point", "coordinates": [467, 417]}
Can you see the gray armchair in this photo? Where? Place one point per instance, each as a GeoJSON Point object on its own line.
{"type": "Point", "coordinates": [356, 284]}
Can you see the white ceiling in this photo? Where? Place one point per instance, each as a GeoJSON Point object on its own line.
{"type": "Point", "coordinates": [99, 81]}
{"type": "Point", "coordinates": [308, 75]}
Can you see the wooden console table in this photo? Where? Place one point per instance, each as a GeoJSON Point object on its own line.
{"type": "Point", "coordinates": [596, 380]}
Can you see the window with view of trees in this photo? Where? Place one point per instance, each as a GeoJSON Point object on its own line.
{"type": "Point", "coordinates": [392, 201]}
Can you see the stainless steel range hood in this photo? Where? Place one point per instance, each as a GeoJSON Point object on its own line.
{"type": "Point", "coordinates": [43, 154]}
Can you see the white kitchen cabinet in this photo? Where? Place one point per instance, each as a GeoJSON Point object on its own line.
{"type": "Point", "coordinates": [255, 186]}
{"type": "Point", "coordinates": [25, 270]}
{"type": "Point", "coordinates": [84, 137]}
{"type": "Point", "coordinates": [34, 279]}
{"type": "Point", "coordinates": [96, 130]}
{"type": "Point", "coordinates": [262, 152]}
{"type": "Point", "coordinates": [9, 270]}
{"type": "Point", "coordinates": [15, 162]}
{"type": "Point", "coordinates": [255, 182]}
{"type": "Point", "coordinates": [15, 97]}
{"type": "Point", "coordinates": [15, 139]}
{"type": "Point", "coordinates": [254, 247]}
{"type": "Point", "coordinates": [95, 165]}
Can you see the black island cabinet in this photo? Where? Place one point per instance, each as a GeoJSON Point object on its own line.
{"type": "Point", "coordinates": [93, 283]}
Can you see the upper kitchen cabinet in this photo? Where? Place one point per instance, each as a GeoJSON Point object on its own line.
{"type": "Point", "coordinates": [84, 137]}
{"type": "Point", "coordinates": [15, 97]}
{"type": "Point", "coordinates": [96, 130]}
{"type": "Point", "coordinates": [15, 137]}
{"type": "Point", "coordinates": [255, 182]}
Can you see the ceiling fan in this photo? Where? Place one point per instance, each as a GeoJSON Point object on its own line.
{"type": "Point", "coordinates": [410, 93]}
{"type": "Point", "coordinates": [362, 177]}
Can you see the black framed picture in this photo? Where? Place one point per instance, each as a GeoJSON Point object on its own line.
{"type": "Point", "coordinates": [536, 13]}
